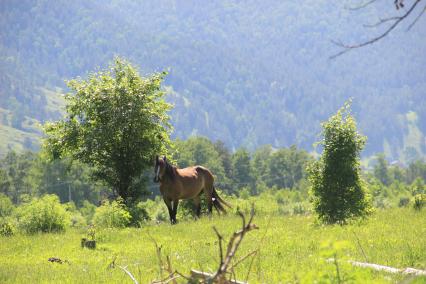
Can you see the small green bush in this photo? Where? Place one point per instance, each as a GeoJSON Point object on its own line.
{"type": "Point", "coordinates": [280, 198]}
{"type": "Point", "coordinates": [44, 214]}
{"type": "Point", "coordinates": [157, 210]}
{"type": "Point", "coordinates": [112, 215]}
{"type": "Point", "coordinates": [139, 214]}
{"type": "Point", "coordinates": [7, 227]}
{"type": "Point", "coordinates": [419, 201]}
{"type": "Point", "coordinates": [403, 201]}
{"type": "Point", "coordinates": [244, 193]}
{"type": "Point", "coordinates": [299, 209]}
{"type": "Point", "coordinates": [88, 211]}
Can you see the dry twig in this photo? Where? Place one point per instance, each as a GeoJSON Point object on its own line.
{"type": "Point", "coordinates": [225, 273]}
{"type": "Point", "coordinates": [396, 21]}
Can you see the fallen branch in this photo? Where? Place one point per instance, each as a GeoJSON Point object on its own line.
{"type": "Point", "coordinates": [207, 277]}
{"type": "Point", "coordinates": [389, 269]}
{"type": "Point", "coordinates": [128, 273]}
{"type": "Point", "coordinates": [408, 270]}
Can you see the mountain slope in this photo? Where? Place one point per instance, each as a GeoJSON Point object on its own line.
{"type": "Point", "coordinates": [248, 73]}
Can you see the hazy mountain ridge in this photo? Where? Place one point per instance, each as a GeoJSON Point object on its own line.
{"type": "Point", "coordinates": [247, 73]}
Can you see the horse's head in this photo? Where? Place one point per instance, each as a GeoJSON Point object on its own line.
{"type": "Point", "coordinates": [160, 168]}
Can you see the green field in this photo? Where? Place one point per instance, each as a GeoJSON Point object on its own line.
{"type": "Point", "coordinates": [291, 249]}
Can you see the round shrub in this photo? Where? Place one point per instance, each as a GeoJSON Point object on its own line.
{"type": "Point", "coordinates": [157, 210]}
{"type": "Point", "coordinates": [299, 209]}
{"type": "Point", "coordinates": [139, 214]}
{"type": "Point", "coordinates": [419, 201]}
{"type": "Point", "coordinates": [403, 201]}
{"type": "Point", "coordinates": [44, 214]}
{"type": "Point", "coordinates": [7, 227]}
{"type": "Point", "coordinates": [88, 211]}
{"type": "Point", "coordinates": [112, 215]}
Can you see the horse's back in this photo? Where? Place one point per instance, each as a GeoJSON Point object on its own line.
{"type": "Point", "coordinates": [188, 173]}
{"type": "Point", "coordinates": [195, 172]}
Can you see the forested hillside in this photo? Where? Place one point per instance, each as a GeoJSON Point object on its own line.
{"type": "Point", "coordinates": [245, 72]}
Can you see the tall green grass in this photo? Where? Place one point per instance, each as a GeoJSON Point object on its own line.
{"type": "Point", "coordinates": [291, 249]}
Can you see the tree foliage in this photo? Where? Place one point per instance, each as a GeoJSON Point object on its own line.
{"type": "Point", "coordinates": [338, 192]}
{"type": "Point", "coordinates": [116, 122]}
{"type": "Point", "coordinates": [381, 170]}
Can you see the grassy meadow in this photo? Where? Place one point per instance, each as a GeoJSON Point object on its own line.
{"type": "Point", "coordinates": [291, 249]}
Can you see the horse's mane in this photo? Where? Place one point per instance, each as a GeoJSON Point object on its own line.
{"type": "Point", "coordinates": [170, 170]}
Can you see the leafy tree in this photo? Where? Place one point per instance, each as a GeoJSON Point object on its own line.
{"type": "Point", "coordinates": [116, 122]}
{"type": "Point", "coordinates": [381, 170]}
{"type": "Point", "coordinates": [241, 170]}
{"type": "Point", "coordinates": [260, 164]}
{"type": "Point", "coordinates": [14, 177]}
{"type": "Point", "coordinates": [4, 182]}
{"type": "Point", "coordinates": [397, 173]}
{"type": "Point", "coordinates": [6, 206]}
{"type": "Point", "coordinates": [416, 169]}
{"type": "Point", "coordinates": [225, 157]}
{"type": "Point", "coordinates": [337, 189]}
{"type": "Point", "coordinates": [69, 180]}
{"type": "Point", "coordinates": [287, 167]}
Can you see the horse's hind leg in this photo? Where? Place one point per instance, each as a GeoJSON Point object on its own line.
{"type": "Point", "coordinates": [209, 194]}
{"type": "Point", "coordinates": [197, 206]}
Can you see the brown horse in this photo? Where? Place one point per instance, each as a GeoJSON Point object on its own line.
{"type": "Point", "coordinates": [187, 183]}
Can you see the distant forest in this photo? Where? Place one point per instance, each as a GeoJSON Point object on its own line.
{"type": "Point", "coordinates": [248, 73]}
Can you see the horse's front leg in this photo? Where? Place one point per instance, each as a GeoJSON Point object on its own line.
{"type": "Point", "coordinates": [169, 207]}
{"type": "Point", "coordinates": [175, 204]}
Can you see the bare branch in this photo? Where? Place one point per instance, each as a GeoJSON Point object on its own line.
{"type": "Point", "coordinates": [225, 273]}
{"type": "Point", "coordinates": [219, 236]}
{"type": "Point", "coordinates": [235, 241]}
{"type": "Point", "coordinates": [361, 6]}
{"type": "Point", "coordinates": [381, 21]}
{"type": "Point", "coordinates": [244, 258]}
{"type": "Point", "coordinates": [417, 18]}
{"type": "Point", "coordinates": [397, 20]}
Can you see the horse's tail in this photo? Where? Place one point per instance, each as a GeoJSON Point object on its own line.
{"type": "Point", "coordinates": [218, 202]}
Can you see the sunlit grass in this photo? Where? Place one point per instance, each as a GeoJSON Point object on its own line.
{"type": "Point", "coordinates": [291, 249]}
